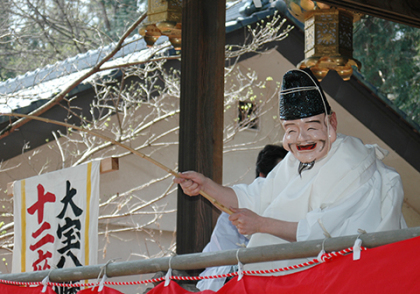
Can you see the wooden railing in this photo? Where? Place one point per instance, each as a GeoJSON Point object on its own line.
{"type": "Point", "coordinates": [229, 257]}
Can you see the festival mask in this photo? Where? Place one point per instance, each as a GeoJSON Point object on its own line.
{"type": "Point", "coordinates": [309, 139]}
{"type": "Point", "coordinates": [303, 111]}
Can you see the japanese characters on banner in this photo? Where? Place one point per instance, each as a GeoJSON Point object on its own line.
{"type": "Point", "coordinates": [56, 219]}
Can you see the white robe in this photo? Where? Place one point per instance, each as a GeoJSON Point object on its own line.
{"type": "Point", "coordinates": [349, 189]}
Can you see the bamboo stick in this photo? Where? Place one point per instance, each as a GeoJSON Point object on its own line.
{"type": "Point", "coordinates": [175, 174]}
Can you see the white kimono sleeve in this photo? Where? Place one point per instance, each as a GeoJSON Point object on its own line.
{"type": "Point", "coordinates": [249, 195]}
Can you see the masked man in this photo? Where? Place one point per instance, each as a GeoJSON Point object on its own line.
{"type": "Point", "coordinates": [225, 235]}
{"type": "Point", "coordinates": [328, 184]}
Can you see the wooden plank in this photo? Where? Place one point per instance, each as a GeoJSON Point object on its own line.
{"type": "Point", "coordinates": [201, 114]}
{"type": "Point", "coordinates": [107, 165]}
{"type": "Point", "coordinates": [402, 11]}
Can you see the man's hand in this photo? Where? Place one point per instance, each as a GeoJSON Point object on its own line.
{"type": "Point", "coordinates": [191, 182]}
{"type": "Point", "coordinates": [194, 183]}
{"type": "Point", "coordinates": [246, 221]}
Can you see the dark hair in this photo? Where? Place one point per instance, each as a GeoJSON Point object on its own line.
{"type": "Point", "coordinates": [268, 158]}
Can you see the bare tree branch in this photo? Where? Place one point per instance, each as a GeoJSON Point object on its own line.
{"type": "Point", "coordinates": [63, 93]}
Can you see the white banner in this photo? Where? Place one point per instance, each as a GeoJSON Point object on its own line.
{"type": "Point", "coordinates": [56, 219]}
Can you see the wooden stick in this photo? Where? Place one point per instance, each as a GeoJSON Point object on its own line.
{"type": "Point", "coordinates": [175, 174]}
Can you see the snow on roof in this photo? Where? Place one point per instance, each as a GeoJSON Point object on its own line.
{"type": "Point", "coordinates": [43, 84]}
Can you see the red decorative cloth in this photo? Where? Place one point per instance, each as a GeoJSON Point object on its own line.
{"type": "Point", "coordinates": [389, 269]}
{"type": "Point", "coordinates": [386, 269]}
{"type": "Point", "coordinates": [12, 289]}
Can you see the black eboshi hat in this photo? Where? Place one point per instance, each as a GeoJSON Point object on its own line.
{"type": "Point", "coordinates": [301, 95]}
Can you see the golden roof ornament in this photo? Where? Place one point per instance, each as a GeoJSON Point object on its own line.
{"type": "Point", "coordinates": [328, 38]}
{"type": "Point", "coordinates": [164, 18]}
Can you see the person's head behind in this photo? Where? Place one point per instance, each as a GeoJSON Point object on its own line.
{"type": "Point", "coordinates": [268, 158]}
{"type": "Point", "coordinates": [310, 125]}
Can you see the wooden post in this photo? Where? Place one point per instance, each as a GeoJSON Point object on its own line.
{"type": "Point", "coordinates": [201, 114]}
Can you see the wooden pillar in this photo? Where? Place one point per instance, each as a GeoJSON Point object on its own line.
{"type": "Point", "coordinates": [201, 114]}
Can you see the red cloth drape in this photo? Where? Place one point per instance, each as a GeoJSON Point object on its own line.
{"type": "Point", "coordinates": [387, 269]}
{"type": "Point", "coordinates": [11, 289]}
{"type": "Point", "coordinates": [392, 268]}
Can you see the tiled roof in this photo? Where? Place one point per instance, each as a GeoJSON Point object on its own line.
{"type": "Point", "coordinates": [35, 88]}
{"type": "Point", "coordinates": [27, 92]}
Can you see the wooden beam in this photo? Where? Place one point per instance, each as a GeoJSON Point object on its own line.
{"type": "Point", "coordinates": [107, 165]}
{"type": "Point", "coordinates": [201, 114]}
{"type": "Point", "coordinates": [401, 11]}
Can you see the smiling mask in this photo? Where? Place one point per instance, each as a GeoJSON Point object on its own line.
{"type": "Point", "coordinates": [304, 113]}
